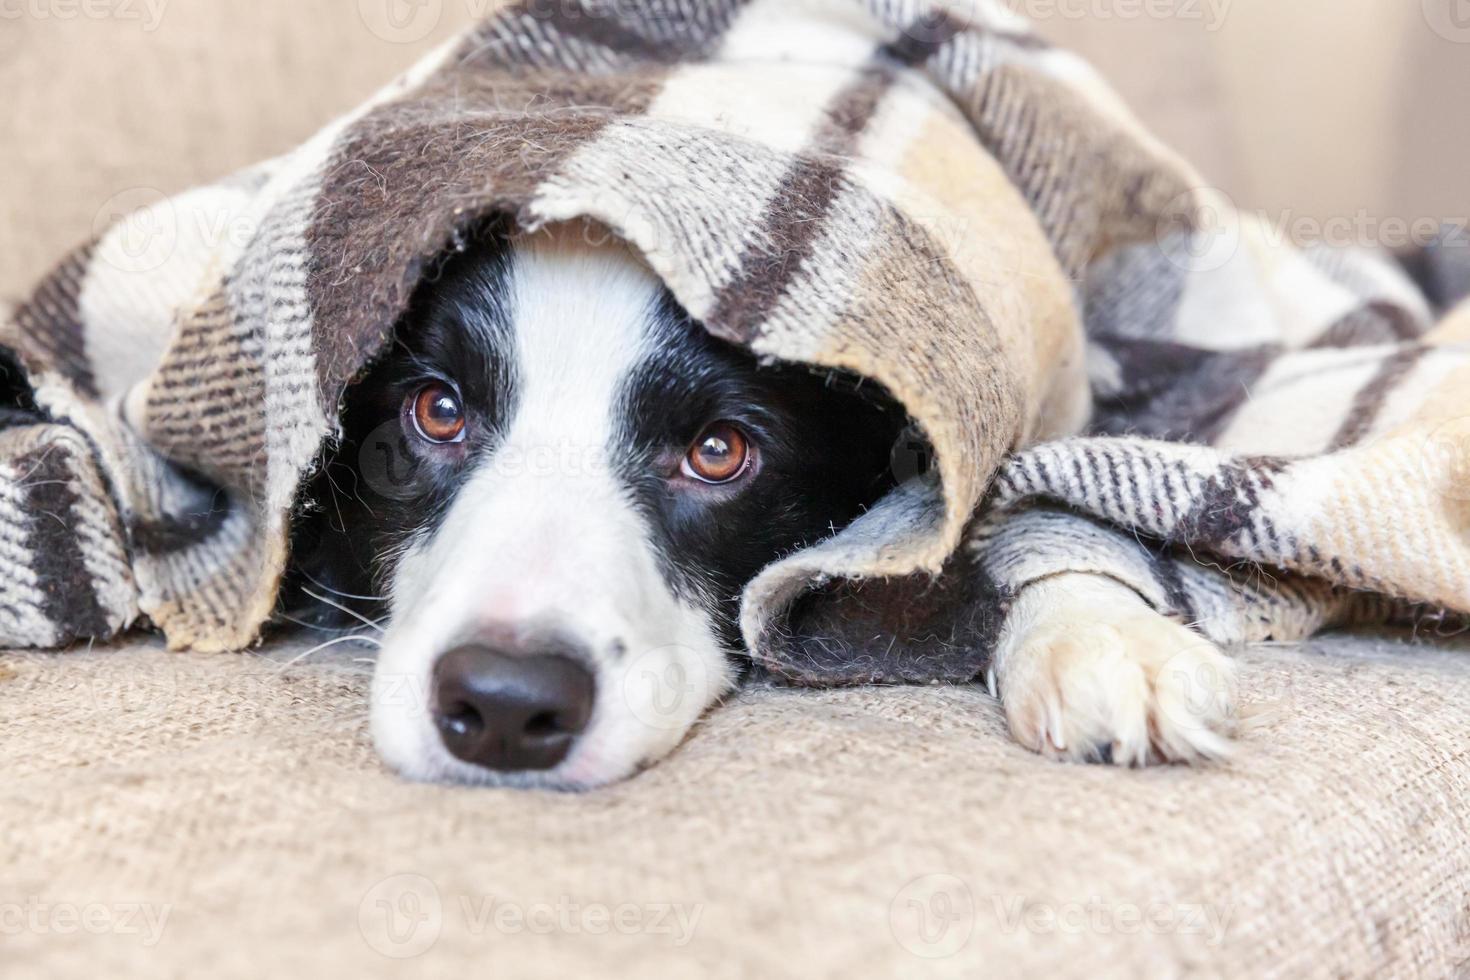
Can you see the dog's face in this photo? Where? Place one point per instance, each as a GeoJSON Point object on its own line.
{"type": "Point", "coordinates": [583, 483]}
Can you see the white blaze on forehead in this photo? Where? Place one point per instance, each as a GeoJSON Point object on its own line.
{"type": "Point", "coordinates": [581, 321]}
{"type": "Point", "coordinates": [546, 515]}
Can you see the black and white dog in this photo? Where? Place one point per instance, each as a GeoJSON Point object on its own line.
{"type": "Point", "coordinates": [584, 481]}
{"type": "Point", "coordinates": [573, 484]}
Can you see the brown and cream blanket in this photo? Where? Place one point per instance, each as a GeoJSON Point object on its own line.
{"type": "Point", "coordinates": [1109, 368]}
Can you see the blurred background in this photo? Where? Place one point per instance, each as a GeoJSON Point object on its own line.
{"type": "Point", "coordinates": [1305, 109]}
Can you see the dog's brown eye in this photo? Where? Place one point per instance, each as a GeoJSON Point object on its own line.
{"type": "Point", "coordinates": [437, 413]}
{"type": "Point", "coordinates": [721, 455]}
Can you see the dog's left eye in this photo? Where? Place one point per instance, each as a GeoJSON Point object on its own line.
{"type": "Point", "coordinates": [437, 413]}
{"type": "Point", "coordinates": [721, 454]}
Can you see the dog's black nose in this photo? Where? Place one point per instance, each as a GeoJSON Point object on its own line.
{"type": "Point", "coordinates": [510, 712]}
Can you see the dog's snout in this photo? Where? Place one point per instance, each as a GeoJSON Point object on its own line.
{"type": "Point", "coordinates": [511, 711]}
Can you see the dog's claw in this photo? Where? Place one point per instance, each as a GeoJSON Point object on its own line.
{"type": "Point", "coordinates": [1090, 673]}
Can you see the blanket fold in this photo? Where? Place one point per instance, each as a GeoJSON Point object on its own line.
{"type": "Point", "coordinates": [1108, 368]}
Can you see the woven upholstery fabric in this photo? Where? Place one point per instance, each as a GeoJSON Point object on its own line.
{"type": "Point", "coordinates": [929, 196]}
{"type": "Point", "coordinates": [791, 829]}
{"type": "Point", "coordinates": [252, 802]}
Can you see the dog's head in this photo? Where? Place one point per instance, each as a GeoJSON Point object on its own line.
{"type": "Point", "coordinates": [560, 486]}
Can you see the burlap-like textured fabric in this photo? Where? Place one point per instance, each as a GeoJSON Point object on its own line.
{"type": "Point", "coordinates": [253, 802]}
{"type": "Point", "coordinates": [791, 829]}
{"type": "Point", "coordinates": [945, 208]}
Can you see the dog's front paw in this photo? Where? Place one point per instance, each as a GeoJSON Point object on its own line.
{"type": "Point", "coordinates": [1088, 672]}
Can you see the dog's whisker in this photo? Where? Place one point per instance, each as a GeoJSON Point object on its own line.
{"type": "Point", "coordinates": [354, 631]}
{"type": "Point", "coordinates": [301, 622]}
{"type": "Point", "coordinates": [349, 611]}
{"type": "Point", "coordinates": [323, 646]}
{"type": "Point", "coordinates": [338, 592]}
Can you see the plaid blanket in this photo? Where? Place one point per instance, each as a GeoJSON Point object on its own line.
{"type": "Point", "coordinates": [1108, 369]}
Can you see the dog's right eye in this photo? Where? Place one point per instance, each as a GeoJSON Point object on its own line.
{"type": "Point", "coordinates": [437, 413]}
{"type": "Point", "coordinates": [721, 455]}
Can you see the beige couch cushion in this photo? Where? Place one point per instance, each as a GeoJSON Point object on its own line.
{"type": "Point", "coordinates": [798, 834]}
{"type": "Point", "coordinates": [101, 111]}
{"type": "Point", "coordinates": [851, 833]}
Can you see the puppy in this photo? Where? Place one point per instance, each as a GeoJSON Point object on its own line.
{"type": "Point", "coordinates": [559, 485]}
{"type": "Point", "coordinates": [556, 486]}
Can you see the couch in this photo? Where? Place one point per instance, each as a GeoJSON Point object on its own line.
{"type": "Point", "coordinates": [166, 814]}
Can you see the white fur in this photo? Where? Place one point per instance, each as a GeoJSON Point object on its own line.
{"type": "Point", "coordinates": [543, 538]}
{"type": "Point", "coordinates": [1085, 665]}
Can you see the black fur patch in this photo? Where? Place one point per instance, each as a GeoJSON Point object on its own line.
{"type": "Point", "coordinates": [916, 629]}
{"type": "Point", "coordinates": [379, 488]}
{"type": "Point", "coordinates": [824, 446]}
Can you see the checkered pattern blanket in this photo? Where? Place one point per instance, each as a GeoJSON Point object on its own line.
{"type": "Point", "coordinates": [1108, 368]}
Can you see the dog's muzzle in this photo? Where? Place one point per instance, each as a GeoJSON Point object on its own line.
{"type": "Point", "coordinates": [511, 709]}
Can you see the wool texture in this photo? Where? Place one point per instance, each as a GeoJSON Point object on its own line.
{"type": "Point", "coordinates": [1109, 369]}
